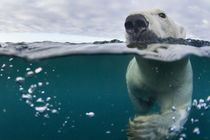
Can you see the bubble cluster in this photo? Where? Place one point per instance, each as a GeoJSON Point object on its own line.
{"type": "Point", "coordinates": [2, 68]}
{"type": "Point", "coordinates": [32, 94]}
{"type": "Point", "coordinates": [198, 105]}
{"type": "Point", "coordinates": [201, 104]}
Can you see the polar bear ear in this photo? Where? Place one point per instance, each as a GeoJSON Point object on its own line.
{"type": "Point", "coordinates": [182, 32]}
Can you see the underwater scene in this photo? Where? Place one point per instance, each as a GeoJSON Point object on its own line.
{"type": "Point", "coordinates": [66, 91]}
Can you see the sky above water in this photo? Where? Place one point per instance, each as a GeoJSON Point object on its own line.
{"type": "Point", "coordinates": [89, 20]}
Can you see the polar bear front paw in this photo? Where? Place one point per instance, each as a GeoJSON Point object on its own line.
{"type": "Point", "coordinates": [150, 127]}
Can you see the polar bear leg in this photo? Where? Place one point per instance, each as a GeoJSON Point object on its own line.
{"type": "Point", "coordinates": [142, 105]}
{"type": "Point", "coordinates": [140, 97]}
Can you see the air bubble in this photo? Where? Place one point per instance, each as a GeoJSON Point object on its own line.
{"type": "Point", "coordinates": [20, 80]}
{"type": "Point", "coordinates": [11, 59]}
{"type": "Point", "coordinates": [32, 88]}
{"type": "Point", "coordinates": [46, 116]}
{"type": "Point", "coordinates": [54, 111]}
{"type": "Point", "coordinates": [26, 96]}
{"type": "Point", "coordinates": [40, 100]}
{"type": "Point", "coordinates": [3, 65]}
{"type": "Point", "coordinates": [194, 120]}
{"type": "Point", "coordinates": [38, 70]}
{"type": "Point", "coordinates": [47, 83]}
{"type": "Point", "coordinates": [201, 101]}
{"type": "Point", "coordinates": [41, 108]}
{"type": "Point", "coordinates": [29, 73]}
{"type": "Point", "coordinates": [48, 98]}
{"type": "Point", "coordinates": [195, 102]}
{"type": "Point", "coordinates": [37, 114]}
{"type": "Point", "coordinates": [174, 118]}
{"type": "Point", "coordinates": [172, 129]}
{"type": "Point", "coordinates": [183, 135]}
{"type": "Point", "coordinates": [208, 99]}
{"type": "Point", "coordinates": [173, 108]}
{"type": "Point", "coordinates": [4, 110]}
{"type": "Point", "coordinates": [90, 114]}
{"type": "Point", "coordinates": [196, 130]}
{"type": "Point", "coordinates": [108, 132]}
{"type": "Point", "coordinates": [40, 84]}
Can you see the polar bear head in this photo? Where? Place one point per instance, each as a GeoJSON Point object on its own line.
{"type": "Point", "coordinates": [148, 26]}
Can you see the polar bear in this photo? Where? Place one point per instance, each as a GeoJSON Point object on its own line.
{"type": "Point", "coordinates": [150, 81]}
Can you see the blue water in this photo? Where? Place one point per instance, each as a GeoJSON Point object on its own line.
{"type": "Point", "coordinates": [81, 84]}
{"type": "Point", "coordinates": [74, 85]}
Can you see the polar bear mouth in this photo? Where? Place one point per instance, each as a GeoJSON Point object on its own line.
{"type": "Point", "coordinates": [144, 36]}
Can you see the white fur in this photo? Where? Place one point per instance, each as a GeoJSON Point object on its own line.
{"type": "Point", "coordinates": [168, 83]}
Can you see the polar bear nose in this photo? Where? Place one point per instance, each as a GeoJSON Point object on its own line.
{"type": "Point", "coordinates": [136, 23]}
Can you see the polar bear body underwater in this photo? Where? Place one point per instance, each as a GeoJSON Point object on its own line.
{"type": "Point", "coordinates": [149, 81]}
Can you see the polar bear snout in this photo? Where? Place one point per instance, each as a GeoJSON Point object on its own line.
{"type": "Point", "coordinates": [137, 29]}
{"type": "Point", "coordinates": [136, 23]}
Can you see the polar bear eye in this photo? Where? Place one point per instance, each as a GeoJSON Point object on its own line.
{"type": "Point", "coordinates": [162, 15]}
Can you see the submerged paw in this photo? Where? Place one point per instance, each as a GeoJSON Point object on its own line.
{"type": "Point", "coordinates": [146, 128]}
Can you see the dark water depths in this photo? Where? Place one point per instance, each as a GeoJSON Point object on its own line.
{"type": "Point", "coordinates": [69, 87]}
